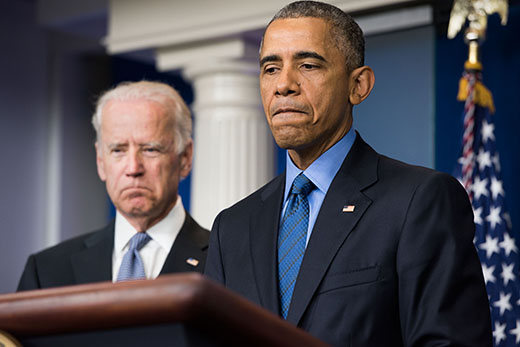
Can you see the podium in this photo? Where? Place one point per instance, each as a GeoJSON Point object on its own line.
{"type": "Point", "coordinates": [173, 310]}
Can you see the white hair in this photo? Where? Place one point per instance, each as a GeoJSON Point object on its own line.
{"type": "Point", "coordinates": [162, 93]}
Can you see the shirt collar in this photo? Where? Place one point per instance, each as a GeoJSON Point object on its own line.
{"type": "Point", "coordinates": [323, 170]}
{"type": "Point", "coordinates": [164, 232]}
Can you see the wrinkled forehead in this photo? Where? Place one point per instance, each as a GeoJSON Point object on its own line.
{"type": "Point", "coordinates": [289, 36]}
{"type": "Point", "coordinates": [140, 107]}
{"type": "Point", "coordinates": [135, 114]}
{"type": "Point", "coordinates": [287, 30]}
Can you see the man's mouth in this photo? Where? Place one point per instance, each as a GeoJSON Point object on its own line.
{"type": "Point", "coordinates": [135, 191]}
{"type": "Point", "coordinates": [287, 110]}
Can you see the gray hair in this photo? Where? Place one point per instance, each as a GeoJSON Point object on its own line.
{"type": "Point", "coordinates": [162, 93]}
{"type": "Point", "coordinates": [345, 32]}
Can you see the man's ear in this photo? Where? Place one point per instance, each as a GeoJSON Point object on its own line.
{"type": "Point", "coordinates": [186, 158]}
{"type": "Point", "coordinates": [99, 162]}
{"type": "Point", "coordinates": [362, 81]}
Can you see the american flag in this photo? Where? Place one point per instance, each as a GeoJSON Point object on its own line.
{"type": "Point", "coordinates": [478, 169]}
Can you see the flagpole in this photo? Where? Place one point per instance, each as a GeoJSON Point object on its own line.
{"type": "Point", "coordinates": [473, 62]}
{"type": "Point", "coordinates": [471, 90]}
{"type": "Point", "coordinates": [478, 169]}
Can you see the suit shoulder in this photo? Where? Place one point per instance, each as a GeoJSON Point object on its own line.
{"type": "Point", "coordinates": [377, 171]}
{"type": "Point", "coordinates": [412, 174]}
{"type": "Point", "coordinates": [401, 181]}
{"type": "Point", "coordinates": [251, 201]}
{"type": "Point", "coordinates": [73, 245]}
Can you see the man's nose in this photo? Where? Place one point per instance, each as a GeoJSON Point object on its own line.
{"type": "Point", "coordinates": [287, 82]}
{"type": "Point", "coordinates": [134, 165]}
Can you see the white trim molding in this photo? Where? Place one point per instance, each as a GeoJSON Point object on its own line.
{"type": "Point", "coordinates": [137, 25]}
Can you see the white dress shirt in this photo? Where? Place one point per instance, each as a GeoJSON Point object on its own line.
{"type": "Point", "coordinates": [155, 252]}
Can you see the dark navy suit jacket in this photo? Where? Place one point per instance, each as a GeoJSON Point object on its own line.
{"type": "Point", "coordinates": [88, 258]}
{"type": "Point", "coordinates": [400, 270]}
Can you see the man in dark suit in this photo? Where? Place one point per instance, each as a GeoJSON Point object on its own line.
{"type": "Point", "coordinates": [143, 149]}
{"type": "Point", "coordinates": [354, 247]}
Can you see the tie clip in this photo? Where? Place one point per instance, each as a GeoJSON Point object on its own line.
{"type": "Point", "coordinates": [192, 261]}
{"type": "Point", "coordinates": [349, 208]}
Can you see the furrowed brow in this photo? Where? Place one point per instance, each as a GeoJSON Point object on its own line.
{"type": "Point", "coordinates": [151, 144]}
{"type": "Point", "coordinates": [305, 55]}
{"type": "Point", "coordinates": [112, 146]}
{"type": "Point", "coordinates": [269, 58]}
{"type": "Point", "coordinates": [157, 145]}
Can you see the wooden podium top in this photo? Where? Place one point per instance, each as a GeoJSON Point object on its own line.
{"type": "Point", "coordinates": [189, 299]}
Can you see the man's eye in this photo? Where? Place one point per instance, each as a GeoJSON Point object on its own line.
{"type": "Point", "coordinates": [151, 150]}
{"type": "Point", "coordinates": [269, 70]}
{"type": "Point", "coordinates": [309, 66]}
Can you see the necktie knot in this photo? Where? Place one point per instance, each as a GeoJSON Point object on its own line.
{"type": "Point", "coordinates": [132, 266]}
{"type": "Point", "coordinates": [138, 241]}
{"type": "Point", "coordinates": [302, 185]}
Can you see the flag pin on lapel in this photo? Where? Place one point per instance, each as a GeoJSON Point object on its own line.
{"type": "Point", "coordinates": [192, 261]}
{"type": "Point", "coordinates": [349, 208]}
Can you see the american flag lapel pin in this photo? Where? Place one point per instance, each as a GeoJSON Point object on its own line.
{"type": "Point", "coordinates": [192, 261]}
{"type": "Point", "coordinates": [349, 208]}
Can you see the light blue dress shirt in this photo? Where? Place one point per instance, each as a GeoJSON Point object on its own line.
{"type": "Point", "coordinates": [321, 172]}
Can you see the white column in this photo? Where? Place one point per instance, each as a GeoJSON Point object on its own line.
{"type": "Point", "coordinates": [234, 149]}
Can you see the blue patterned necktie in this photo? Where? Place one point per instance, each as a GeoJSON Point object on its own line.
{"type": "Point", "coordinates": [132, 267]}
{"type": "Point", "coordinates": [292, 238]}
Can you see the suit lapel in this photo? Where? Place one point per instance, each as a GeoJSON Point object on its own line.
{"type": "Point", "coordinates": [190, 243]}
{"type": "Point", "coordinates": [263, 243]}
{"type": "Point", "coordinates": [333, 226]}
{"type": "Point", "coordinates": [94, 263]}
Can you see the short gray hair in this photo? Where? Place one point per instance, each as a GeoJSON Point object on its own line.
{"type": "Point", "coordinates": [345, 32]}
{"type": "Point", "coordinates": [160, 92]}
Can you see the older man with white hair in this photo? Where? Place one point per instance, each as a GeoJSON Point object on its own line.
{"type": "Point", "coordinates": [144, 148]}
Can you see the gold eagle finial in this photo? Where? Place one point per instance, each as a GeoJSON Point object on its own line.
{"type": "Point", "coordinates": [476, 11]}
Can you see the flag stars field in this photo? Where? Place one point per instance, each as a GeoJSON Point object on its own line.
{"type": "Point", "coordinates": [494, 236]}
{"type": "Point", "coordinates": [496, 188]}
{"type": "Point", "coordinates": [507, 273]}
{"type": "Point", "coordinates": [488, 273]}
{"type": "Point", "coordinates": [480, 187]}
{"type": "Point", "coordinates": [477, 216]}
{"type": "Point", "coordinates": [484, 159]}
{"type": "Point", "coordinates": [488, 131]}
{"type": "Point", "coordinates": [494, 216]}
{"type": "Point", "coordinates": [490, 246]}
{"type": "Point", "coordinates": [508, 245]}
{"type": "Point", "coordinates": [503, 303]}
{"type": "Point", "coordinates": [498, 333]}
{"type": "Point", "coordinates": [516, 331]}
